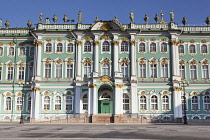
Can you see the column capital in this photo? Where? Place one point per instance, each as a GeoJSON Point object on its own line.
{"type": "Point", "coordinates": [116, 43]}
{"type": "Point", "coordinates": [132, 43]}
{"type": "Point", "coordinates": [96, 43]}
{"type": "Point", "coordinates": [79, 43]}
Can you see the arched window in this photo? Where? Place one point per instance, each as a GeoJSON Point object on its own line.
{"type": "Point", "coordinates": [152, 47]}
{"type": "Point", "coordinates": [182, 71]}
{"type": "Point", "coordinates": [124, 46]}
{"type": "Point", "coordinates": [47, 70]}
{"type": "Point", "coordinates": [70, 48]}
{"type": "Point", "coordinates": [57, 103]}
{"type": "Point", "coordinates": [165, 102]}
{"type": "Point", "coordinates": [87, 46]}
{"type": "Point", "coordinates": [194, 103]}
{"type": "Point", "coordinates": [19, 105]}
{"type": "Point", "coordinates": [204, 49]}
{"type": "Point", "coordinates": [69, 102]}
{"type": "Point", "coordinates": [164, 70]}
{"type": "Point", "coordinates": [85, 102]}
{"type": "Point", "coordinates": [154, 102]}
{"type": "Point", "coordinates": [11, 51]}
{"type": "Point", "coordinates": [124, 69]}
{"type": "Point", "coordinates": [105, 69]}
{"type": "Point", "coordinates": [182, 98]}
{"type": "Point", "coordinates": [105, 46]}
{"type": "Point", "coordinates": [48, 47]}
{"type": "Point", "coordinates": [142, 47]}
{"type": "Point", "coordinates": [196, 118]}
{"type": "Point", "coordinates": [192, 49]}
{"type": "Point", "coordinates": [143, 103]}
{"type": "Point", "coordinates": [163, 47]}
{"type": "Point", "coordinates": [206, 103]}
{"type": "Point", "coordinates": [21, 73]}
{"type": "Point", "coordinates": [8, 103]}
{"type": "Point", "coordinates": [46, 103]}
{"type": "Point", "coordinates": [59, 47]}
{"type": "Point", "coordinates": [69, 68]}
{"type": "Point", "coordinates": [58, 70]}
{"type": "Point", "coordinates": [10, 73]}
{"type": "Point", "coordinates": [1, 51]}
{"type": "Point", "coordinates": [22, 51]}
{"type": "Point", "coordinates": [181, 49]}
{"type": "Point", "coordinates": [29, 103]}
{"type": "Point", "coordinates": [205, 71]}
{"type": "Point", "coordinates": [207, 118]}
{"type": "Point", "coordinates": [193, 71]}
{"type": "Point", "coordinates": [126, 102]}
{"type": "Point", "coordinates": [87, 69]}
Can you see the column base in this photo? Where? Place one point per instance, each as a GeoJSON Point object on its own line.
{"type": "Point", "coordinates": [32, 120]}
{"type": "Point", "coordinates": [178, 120]}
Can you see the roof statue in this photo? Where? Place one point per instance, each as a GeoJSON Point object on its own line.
{"type": "Point", "coordinates": [207, 20]}
{"type": "Point", "coordinates": [146, 18]}
{"type": "Point", "coordinates": [40, 17]}
{"type": "Point", "coordinates": [65, 19]}
{"type": "Point", "coordinates": [156, 18]}
{"type": "Point", "coordinates": [47, 21]}
{"type": "Point", "coordinates": [29, 24]}
{"type": "Point", "coordinates": [184, 21]}
{"type": "Point", "coordinates": [0, 22]}
{"type": "Point", "coordinates": [172, 16]}
{"type": "Point", "coordinates": [115, 19]}
{"type": "Point", "coordinates": [80, 17]}
{"type": "Point", "coordinates": [132, 17]}
{"type": "Point", "coordinates": [96, 20]}
{"type": "Point", "coordinates": [55, 19]}
{"type": "Point", "coordinates": [7, 24]}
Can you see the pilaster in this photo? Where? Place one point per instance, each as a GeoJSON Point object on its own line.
{"type": "Point", "coordinates": [38, 52]}
{"type": "Point", "coordinates": [78, 91]}
{"type": "Point", "coordinates": [78, 62]}
{"type": "Point", "coordinates": [134, 98]}
{"type": "Point", "coordinates": [177, 101]}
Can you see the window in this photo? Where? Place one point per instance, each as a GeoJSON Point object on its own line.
{"type": "Point", "coordinates": [85, 102]}
{"type": "Point", "coordinates": [143, 103]}
{"type": "Point", "coordinates": [31, 51]}
{"type": "Point", "coordinates": [181, 49]}
{"type": "Point", "coordinates": [142, 47]}
{"type": "Point", "coordinates": [48, 47]}
{"type": "Point", "coordinates": [165, 102]}
{"type": "Point", "coordinates": [194, 103]}
{"type": "Point", "coordinates": [8, 103]}
{"type": "Point", "coordinates": [46, 103]}
{"type": "Point", "coordinates": [57, 103]}
{"type": "Point", "coordinates": [30, 72]}
{"type": "Point", "coordinates": [19, 105]}
{"type": "Point", "coordinates": [182, 98]}
{"type": "Point", "coordinates": [153, 70]}
{"type": "Point", "coordinates": [205, 71]}
{"type": "Point", "coordinates": [69, 103]}
{"type": "Point", "coordinates": [87, 46]}
{"type": "Point", "coordinates": [0, 72]}
{"type": "Point", "coordinates": [1, 51]}
{"type": "Point", "coordinates": [11, 51]}
{"type": "Point", "coordinates": [204, 49]}
{"type": "Point", "coordinates": [193, 72]}
{"type": "Point", "coordinates": [22, 51]}
{"type": "Point", "coordinates": [142, 70]}
{"type": "Point", "coordinates": [69, 70]}
{"type": "Point", "coordinates": [87, 69]}
{"type": "Point", "coordinates": [21, 73]}
{"type": "Point", "coordinates": [29, 103]}
{"type": "Point", "coordinates": [152, 47]}
{"type": "Point", "coordinates": [124, 69]}
{"type": "Point", "coordinates": [47, 70]}
{"type": "Point", "coordinates": [196, 118]}
{"type": "Point", "coordinates": [58, 70]}
{"type": "Point", "coordinates": [163, 47]}
{"type": "Point", "coordinates": [105, 46]}
{"type": "Point", "coordinates": [192, 49]}
{"type": "Point", "coordinates": [126, 102]}
{"type": "Point", "coordinates": [182, 71]}
{"type": "Point", "coordinates": [10, 73]}
{"type": "Point", "coordinates": [154, 102]}
{"type": "Point", "coordinates": [59, 47]}
{"type": "Point", "coordinates": [206, 103]}
{"type": "Point", "coordinates": [105, 69]}
{"type": "Point", "coordinates": [124, 46]}
{"type": "Point", "coordinates": [164, 70]}
{"type": "Point", "coordinates": [70, 48]}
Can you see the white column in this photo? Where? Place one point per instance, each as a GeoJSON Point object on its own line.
{"type": "Point", "coordinates": [77, 99]}
{"type": "Point", "coordinates": [133, 60]}
{"type": "Point", "coordinates": [78, 62]}
{"type": "Point", "coordinates": [118, 99]}
{"type": "Point", "coordinates": [38, 60]}
{"type": "Point", "coordinates": [96, 56]}
{"type": "Point", "coordinates": [90, 100]}
{"type": "Point", "coordinates": [134, 98]}
{"type": "Point", "coordinates": [177, 101]}
{"type": "Point", "coordinates": [116, 57]}
{"type": "Point", "coordinates": [37, 103]}
{"type": "Point", "coordinates": [32, 113]}
{"type": "Point", "coordinates": [95, 100]}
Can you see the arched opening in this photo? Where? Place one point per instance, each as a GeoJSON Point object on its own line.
{"type": "Point", "coordinates": [105, 99]}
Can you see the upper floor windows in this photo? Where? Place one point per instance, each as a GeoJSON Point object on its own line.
{"type": "Point", "coordinates": [10, 73]}
{"type": "Point", "coordinates": [142, 47]}
{"type": "Point", "coordinates": [21, 73]}
{"type": "Point", "coordinates": [70, 48]}
{"type": "Point", "coordinates": [1, 51]}
{"type": "Point", "coordinates": [105, 46]}
{"type": "Point", "coordinates": [152, 47]}
{"type": "Point", "coordinates": [192, 49]}
{"type": "Point", "coordinates": [87, 69]}
{"type": "Point", "coordinates": [105, 69]}
{"type": "Point", "coordinates": [153, 70]}
{"type": "Point", "coordinates": [205, 71]}
{"type": "Point", "coordinates": [193, 72]}
{"type": "Point", "coordinates": [163, 47]}
{"type": "Point", "coordinates": [58, 70]}
{"type": "Point", "coordinates": [124, 46]}
{"type": "Point", "coordinates": [124, 69]}
{"type": "Point", "coordinates": [11, 51]}
{"type": "Point", "coordinates": [87, 46]}
{"type": "Point", "coordinates": [181, 49]}
{"type": "Point", "coordinates": [69, 70]}
{"type": "Point", "coordinates": [204, 49]}
{"type": "Point", "coordinates": [48, 47]}
{"type": "Point", "coordinates": [22, 51]}
{"type": "Point", "coordinates": [31, 51]}
{"type": "Point", "coordinates": [8, 103]}
{"type": "Point", "coordinates": [47, 70]}
{"type": "Point", "coordinates": [59, 48]}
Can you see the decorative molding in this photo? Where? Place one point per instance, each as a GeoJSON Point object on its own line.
{"type": "Point", "coordinates": [105, 37]}
{"type": "Point", "coordinates": [152, 39]}
{"type": "Point", "coordinates": [79, 43]}
{"type": "Point", "coordinates": [142, 39]}
{"type": "Point", "coordinates": [92, 86]}
{"type": "Point", "coordinates": [87, 61]}
{"type": "Point", "coordinates": [48, 40]}
{"type": "Point", "coordinates": [21, 64]}
{"type": "Point", "coordinates": [11, 44]}
{"type": "Point", "coordinates": [87, 39]}
{"type": "Point", "coordinates": [106, 60]}
{"type": "Point", "coordinates": [177, 89]}
{"type": "Point", "coordinates": [173, 42]}
{"type": "Point", "coordinates": [124, 39]}
{"type": "Point", "coordinates": [96, 43]}
{"type": "Point", "coordinates": [58, 61]}
{"type": "Point", "coordinates": [70, 61]}
{"type": "Point", "coordinates": [203, 41]}
{"type": "Point", "coordinates": [39, 43]}
{"type": "Point", "coordinates": [1, 44]}
{"type": "Point", "coordinates": [153, 61]}
{"type": "Point", "coordinates": [132, 43]}
{"type": "Point", "coordinates": [10, 65]}
{"type": "Point", "coordinates": [192, 41]}
{"type": "Point", "coordinates": [126, 61]}
{"type": "Point", "coordinates": [182, 62]}
{"type": "Point", "coordinates": [59, 39]}
{"type": "Point", "coordinates": [163, 39]}
{"type": "Point", "coordinates": [118, 86]}
{"type": "Point", "coordinates": [70, 40]}
{"type": "Point", "coordinates": [105, 26]}
{"type": "Point", "coordinates": [116, 43]}
{"type": "Point", "coordinates": [21, 44]}
{"type": "Point", "coordinates": [105, 79]}
{"type": "Point", "coordinates": [193, 62]}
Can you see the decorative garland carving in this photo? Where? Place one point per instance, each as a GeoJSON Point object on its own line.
{"type": "Point", "coordinates": [59, 39]}
{"type": "Point", "coordinates": [203, 41]}
{"type": "Point", "coordinates": [106, 61]}
{"type": "Point", "coordinates": [11, 44]}
{"type": "Point", "coordinates": [105, 37]}
{"type": "Point", "coordinates": [152, 39]}
{"type": "Point", "coordinates": [177, 88]}
{"type": "Point", "coordinates": [116, 43]}
{"type": "Point", "coordinates": [193, 62]}
{"type": "Point", "coordinates": [21, 64]}
{"type": "Point", "coordinates": [58, 61]}
{"type": "Point", "coordinates": [69, 61]}
{"type": "Point", "coordinates": [124, 61]}
{"type": "Point", "coordinates": [48, 40]}
{"type": "Point", "coordinates": [132, 43]}
{"type": "Point", "coordinates": [181, 62]}
{"type": "Point", "coordinates": [192, 41]}
{"type": "Point", "coordinates": [118, 86]}
{"type": "Point", "coordinates": [87, 61]}
{"type": "Point", "coordinates": [70, 40]}
{"type": "Point", "coordinates": [1, 44]}
{"type": "Point", "coordinates": [105, 79]}
{"type": "Point", "coordinates": [142, 39]}
{"type": "Point", "coordinates": [10, 65]}
{"type": "Point", "coordinates": [39, 43]}
{"type": "Point", "coordinates": [124, 39]}
{"type": "Point", "coordinates": [87, 39]}
{"type": "Point", "coordinates": [92, 86]}
{"type": "Point", "coordinates": [205, 62]}
{"type": "Point", "coordinates": [79, 43]}
{"type": "Point", "coordinates": [164, 61]}
{"type": "Point", "coordinates": [47, 61]}
{"type": "Point", "coordinates": [163, 39]}
{"type": "Point", "coordinates": [22, 44]}
{"type": "Point", "coordinates": [153, 61]}
{"type": "Point", "coordinates": [96, 43]}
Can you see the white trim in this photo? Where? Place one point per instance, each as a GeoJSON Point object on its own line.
{"type": "Point", "coordinates": [110, 46]}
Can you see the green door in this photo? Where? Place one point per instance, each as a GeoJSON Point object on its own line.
{"type": "Point", "coordinates": [105, 107]}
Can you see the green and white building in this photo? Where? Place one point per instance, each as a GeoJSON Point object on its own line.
{"type": "Point", "coordinates": [55, 71]}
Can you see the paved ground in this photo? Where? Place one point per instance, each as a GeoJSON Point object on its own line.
{"type": "Point", "coordinates": [104, 131]}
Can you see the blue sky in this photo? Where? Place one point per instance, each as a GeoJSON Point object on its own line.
{"type": "Point", "coordinates": [19, 11]}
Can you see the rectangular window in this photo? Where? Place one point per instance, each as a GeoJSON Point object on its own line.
{"type": "Point", "coordinates": [183, 103]}
{"type": "Point", "coordinates": [0, 73]}
{"type": "Point", "coordinates": [164, 70]}
{"type": "Point", "coordinates": [142, 70]}
{"type": "Point", "coordinates": [19, 105]}
{"type": "Point", "coordinates": [205, 72]}
{"type": "Point", "coordinates": [47, 70]}
{"type": "Point", "coordinates": [30, 73]}
{"type": "Point", "coordinates": [193, 73]}
{"type": "Point", "coordinates": [58, 70]}
{"type": "Point", "coordinates": [32, 51]}
{"type": "Point", "coordinates": [21, 73]}
{"type": "Point", "coordinates": [153, 70]}
{"type": "Point", "coordinates": [143, 103]}
{"type": "Point", "coordinates": [182, 71]}
{"type": "Point", "coordinates": [8, 103]}
{"type": "Point", "coordinates": [10, 73]}
{"type": "Point", "coordinates": [69, 70]}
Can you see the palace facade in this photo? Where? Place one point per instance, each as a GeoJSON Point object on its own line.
{"type": "Point", "coordinates": [105, 70]}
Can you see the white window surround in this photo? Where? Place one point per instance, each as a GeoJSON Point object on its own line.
{"type": "Point", "coordinates": [154, 72]}
{"type": "Point", "coordinates": [63, 42]}
{"type": "Point", "coordinates": [7, 70]}
{"type": "Point", "coordinates": [58, 98]}
{"type": "Point", "coordinates": [196, 70]}
{"type": "Point", "coordinates": [9, 51]}
{"type": "Point", "coordinates": [166, 103]}
{"type": "Point", "coordinates": [73, 47]}
{"type": "Point", "coordinates": [65, 66]}
{"type": "Point", "coordinates": [194, 97]}
{"type": "Point", "coordinates": [126, 102]}
{"type": "Point", "coordinates": [110, 65]}
{"type": "Point", "coordinates": [71, 103]}
{"type": "Point", "coordinates": [43, 103]}
{"type": "Point", "coordinates": [59, 48]}
{"type": "Point", "coordinates": [27, 104]}
{"type": "Point", "coordinates": [165, 48]}
{"type": "Point", "coordinates": [154, 102]}
{"type": "Point", "coordinates": [187, 99]}
{"type": "Point", "coordinates": [190, 68]}
{"type": "Point", "coordinates": [48, 50]}
{"type": "Point", "coordinates": [145, 44]}
{"type": "Point", "coordinates": [207, 49]}
{"type": "Point", "coordinates": [144, 103]}
{"type": "Point", "coordinates": [153, 51]}
{"type": "Point", "coordinates": [120, 43]}
{"type": "Point", "coordinates": [110, 46]}
{"type": "Point", "coordinates": [190, 50]}
{"type": "Point", "coordinates": [16, 103]}
{"type": "Point", "coordinates": [168, 67]}
{"type": "Point", "coordinates": [1, 51]}
{"type": "Point", "coordinates": [91, 46]}
{"type": "Point", "coordinates": [181, 49]}
{"type": "Point", "coordinates": [22, 51]}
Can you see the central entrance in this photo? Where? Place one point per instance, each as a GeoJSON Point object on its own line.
{"type": "Point", "coordinates": [105, 101]}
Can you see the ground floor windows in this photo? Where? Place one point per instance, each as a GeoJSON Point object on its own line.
{"type": "Point", "coordinates": [165, 102]}
{"type": "Point", "coordinates": [57, 103]}
{"type": "Point", "coordinates": [8, 103]}
{"type": "Point", "coordinates": [69, 102]}
{"type": "Point", "coordinates": [46, 103]}
{"type": "Point", "coordinates": [19, 104]}
{"type": "Point", "coordinates": [195, 103]}
{"type": "Point", "coordinates": [85, 102]}
{"type": "Point", "coordinates": [126, 102]}
{"type": "Point", "coordinates": [143, 103]}
{"type": "Point", "coordinates": [206, 103]}
{"type": "Point", "coordinates": [154, 102]}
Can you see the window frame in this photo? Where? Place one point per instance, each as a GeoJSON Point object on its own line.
{"type": "Point", "coordinates": [46, 105]}
{"type": "Point", "coordinates": [126, 103]}
{"type": "Point", "coordinates": [144, 103]}
{"type": "Point", "coordinates": [201, 49]}
{"type": "Point", "coordinates": [70, 103]}
{"type": "Point", "coordinates": [206, 105]}
{"type": "Point", "coordinates": [58, 103]}
{"type": "Point", "coordinates": [71, 48]}
{"type": "Point", "coordinates": [181, 49]}
{"type": "Point", "coordinates": [164, 49]}
{"type": "Point", "coordinates": [87, 48]}
{"type": "Point", "coordinates": [59, 48]}
{"type": "Point", "coordinates": [85, 104]}
{"type": "Point", "coordinates": [139, 50]}
{"type": "Point", "coordinates": [1, 51]}
{"type": "Point", "coordinates": [204, 76]}
{"type": "Point", "coordinates": [152, 70]}
{"type": "Point", "coordinates": [124, 47]}
{"type": "Point", "coordinates": [19, 103]}
{"type": "Point", "coordinates": [165, 103]}
{"type": "Point", "coordinates": [190, 49]}
{"type": "Point", "coordinates": [195, 104]}
{"type": "Point", "coordinates": [107, 46]}
{"type": "Point", "coordinates": [22, 51]}
{"type": "Point", "coordinates": [154, 105]}
{"type": "Point", "coordinates": [195, 71]}
{"type": "Point", "coordinates": [153, 49]}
